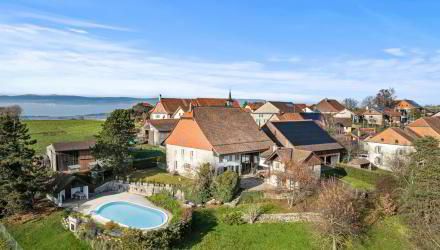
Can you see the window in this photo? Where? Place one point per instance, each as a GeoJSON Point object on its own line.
{"type": "Point", "coordinates": [377, 161]}
{"type": "Point", "coordinates": [191, 155]}
{"type": "Point", "coordinates": [378, 149]}
{"type": "Point", "coordinates": [182, 153]}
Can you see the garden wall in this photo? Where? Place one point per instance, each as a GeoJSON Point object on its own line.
{"type": "Point", "coordinates": [144, 188]}
{"type": "Point", "coordinates": [288, 217]}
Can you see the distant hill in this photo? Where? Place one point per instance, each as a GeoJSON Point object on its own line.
{"type": "Point", "coordinates": [73, 100]}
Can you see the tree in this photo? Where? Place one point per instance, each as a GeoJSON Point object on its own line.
{"type": "Point", "coordinates": [245, 104]}
{"type": "Point", "coordinates": [367, 102]}
{"type": "Point", "coordinates": [225, 186]}
{"type": "Point", "coordinates": [340, 210]}
{"type": "Point", "coordinates": [385, 98]}
{"type": "Point", "coordinates": [141, 111]}
{"type": "Point", "coordinates": [21, 177]}
{"type": "Point", "coordinates": [13, 110]}
{"type": "Point", "coordinates": [300, 180]}
{"type": "Point", "coordinates": [202, 187]}
{"type": "Point", "coordinates": [421, 192]}
{"type": "Point", "coordinates": [350, 103]}
{"type": "Point", "coordinates": [113, 142]}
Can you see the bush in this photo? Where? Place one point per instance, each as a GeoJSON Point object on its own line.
{"type": "Point", "coordinates": [4, 244]}
{"type": "Point", "coordinates": [201, 191]}
{"type": "Point", "coordinates": [165, 200]}
{"type": "Point", "coordinates": [110, 226]}
{"type": "Point", "coordinates": [233, 218]}
{"type": "Point", "coordinates": [251, 197]}
{"type": "Point", "coordinates": [225, 186]}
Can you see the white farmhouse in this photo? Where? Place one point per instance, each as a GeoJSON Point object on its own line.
{"type": "Point", "coordinates": [225, 137]}
{"type": "Point", "coordinates": [271, 108]}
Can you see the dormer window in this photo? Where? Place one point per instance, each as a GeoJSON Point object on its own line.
{"type": "Point", "coordinates": [382, 139]}
{"type": "Point", "coordinates": [396, 141]}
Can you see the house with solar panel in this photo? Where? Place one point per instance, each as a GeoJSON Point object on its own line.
{"type": "Point", "coordinates": [298, 142]}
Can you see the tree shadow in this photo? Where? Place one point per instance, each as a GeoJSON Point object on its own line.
{"type": "Point", "coordinates": [203, 222]}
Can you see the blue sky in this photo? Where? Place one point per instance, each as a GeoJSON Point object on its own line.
{"type": "Point", "coordinates": [299, 51]}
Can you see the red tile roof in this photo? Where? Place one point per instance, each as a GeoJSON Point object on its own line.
{"type": "Point", "coordinates": [329, 106]}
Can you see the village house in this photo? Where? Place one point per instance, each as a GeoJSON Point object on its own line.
{"type": "Point", "coordinates": [71, 156]}
{"type": "Point", "coordinates": [408, 109]}
{"type": "Point", "coordinates": [392, 117]}
{"type": "Point", "coordinates": [393, 143]}
{"type": "Point", "coordinates": [252, 106]}
{"type": "Point", "coordinates": [280, 162]}
{"type": "Point", "coordinates": [305, 135]}
{"type": "Point", "coordinates": [154, 132]}
{"type": "Point", "coordinates": [272, 108]}
{"type": "Point", "coordinates": [373, 116]}
{"type": "Point", "coordinates": [437, 114]}
{"type": "Point", "coordinates": [225, 137]}
{"type": "Point", "coordinates": [174, 108]}
{"type": "Point", "coordinates": [330, 106]}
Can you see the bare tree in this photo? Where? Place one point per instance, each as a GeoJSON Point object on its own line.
{"type": "Point", "coordinates": [300, 181]}
{"type": "Point", "coordinates": [340, 211]}
{"type": "Point", "coordinates": [367, 102]}
{"type": "Point", "coordinates": [13, 110]}
{"type": "Point", "coordinates": [385, 98]}
{"type": "Point", "coordinates": [350, 103]}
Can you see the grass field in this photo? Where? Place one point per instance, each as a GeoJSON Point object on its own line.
{"type": "Point", "coordinates": [48, 131]}
{"type": "Point", "coordinates": [45, 233]}
{"type": "Point", "coordinates": [357, 178]}
{"type": "Point", "coordinates": [210, 233]}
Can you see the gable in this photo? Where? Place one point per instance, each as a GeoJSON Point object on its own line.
{"type": "Point", "coordinates": [188, 134]}
{"type": "Point", "coordinates": [267, 108]}
{"type": "Point", "coordinates": [394, 136]}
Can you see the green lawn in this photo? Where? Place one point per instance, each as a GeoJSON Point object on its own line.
{"type": "Point", "coordinates": [357, 178]}
{"type": "Point", "coordinates": [47, 131]}
{"type": "Point", "coordinates": [159, 176]}
{"type": "Point", "coordinates": [210, 233]}
{"type": "Point", "coordinates": [45, 233]}
{"type": "Point", "coordinates": [390, 234]}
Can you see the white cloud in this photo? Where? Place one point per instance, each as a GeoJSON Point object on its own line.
{"type": "Point", "coordinates": [78, 31]}
{"type": "Point", "coordinates": [45, 60]}
{"type": "Point", "coordinates": [395, 51]}
{"type": "Point", "coordinates": [291, 59]}
{"type": "Point", "coordinates": [69, 21]}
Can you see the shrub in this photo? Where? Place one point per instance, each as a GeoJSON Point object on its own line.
{"type": "Point", "coordinates": [252, 212]}
{"type": "Point", "coordinates": [233, 218]}
{"type": "Point", "coordinates": [4, 244]}
{"type": "Point", "coordinates": [225, 186]}
{"type": "Point", "coordinates": [165, 200]}
{"type": "Point", "coordinates": [201, 191]}
{"type": "Point", "coordinates": [109, 226]}
{"type": "Point", "coordinates": [251, 197]}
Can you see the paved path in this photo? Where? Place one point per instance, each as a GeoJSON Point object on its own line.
{"type": "Point", "coordinates": [251, 183]}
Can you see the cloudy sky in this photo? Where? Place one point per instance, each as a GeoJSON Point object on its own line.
{"type": "Point", "coordinates": [299, 51]}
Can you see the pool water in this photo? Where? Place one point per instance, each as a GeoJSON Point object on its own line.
{"type": "Point", "coordinates": [132, 215]}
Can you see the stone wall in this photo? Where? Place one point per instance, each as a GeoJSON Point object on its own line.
{"type": "Point", "coordinates": [145, 189]}
{"type": "Point", "coordinates": [288, 217]}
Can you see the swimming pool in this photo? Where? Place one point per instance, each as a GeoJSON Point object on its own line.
{"type": "Point", "coordinates": [132, 215]}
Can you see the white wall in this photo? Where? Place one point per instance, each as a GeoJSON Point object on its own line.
{"type": "Point", "coordinates": [344, 114]}
{"type": "Point", "coordinates": [387, 152]}
{"type": "Point", "coordinates": [276, 166]}
{"type": "Point", "coordinates": [178, 114]}
{"type": "Point", "coordinates": [264, 113]}
{"type": "Point", "coordinates": [179, 159]}
{"type": "Point", "coordinates": [157, 116]}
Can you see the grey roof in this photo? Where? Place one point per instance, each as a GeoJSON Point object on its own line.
{"type": "Point", "coordinates": [231, 130]}
{"type": "Point", "coordinates": [73, 146]}
{"type": "Point", "coordinates": [306, 135]}
{"type": "Point", "coordinates": [163, 125]}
